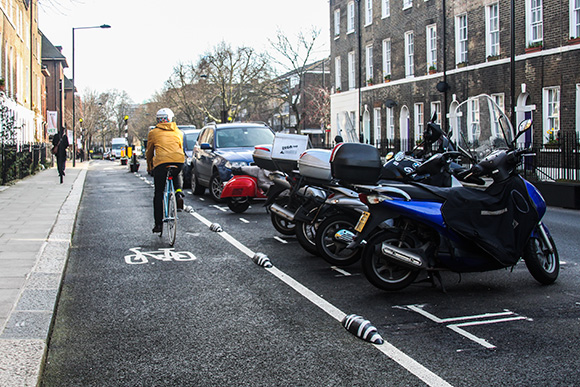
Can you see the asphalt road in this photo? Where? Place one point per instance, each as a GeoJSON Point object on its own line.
{"type": "Point", "coordinates": [204, 314]}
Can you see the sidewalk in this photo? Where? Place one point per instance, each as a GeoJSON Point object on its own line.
{"type": "Point", "coordinates": [37, 216]}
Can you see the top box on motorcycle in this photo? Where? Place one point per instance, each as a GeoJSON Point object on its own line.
{"type": "Point", "coordinates": [263, 157]}
{"type": "Point", "coordinates": [286, 150]}
{"type": "Point", "coordinates": [315, 164]}
{"type": "Point", "coordinates": [356, 163]}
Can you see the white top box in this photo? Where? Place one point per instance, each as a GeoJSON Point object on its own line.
{"type": "Point", "coordinates": [289, 146]}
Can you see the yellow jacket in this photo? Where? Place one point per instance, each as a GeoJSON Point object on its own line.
{"type": "Point", "coordinates": [164, 145]}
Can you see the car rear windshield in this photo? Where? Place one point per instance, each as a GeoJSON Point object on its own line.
{"type": "Point", "coordinates": [243, 137]}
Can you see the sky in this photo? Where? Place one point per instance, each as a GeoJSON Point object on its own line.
{"type": "Point", "coordinates": [148, 38]}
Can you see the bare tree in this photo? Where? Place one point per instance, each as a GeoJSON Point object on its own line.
{"type": "Point", "coordinates": [295, 56]}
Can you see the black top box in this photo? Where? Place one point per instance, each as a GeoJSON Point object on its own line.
{"type": "Point", "coordinates": [356, 163]}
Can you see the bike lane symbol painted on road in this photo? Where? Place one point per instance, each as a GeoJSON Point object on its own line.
{"type": "Point", "coordinates": [458, 323]}
{"type": "Point", "coordinates": [167, 254]}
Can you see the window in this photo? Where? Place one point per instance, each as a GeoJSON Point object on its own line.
{"type": "Point", "coordinates": [496, 130]}
{"type": "Point", "coordinates": [337, 74]}
{"type": "Point", "coordinates": [369, 63]}
{"type": "Point", "coordinates": [351, 76]}
{"type": "Point", "coordinates": [350, 17]}
{"type": "Point", "coordinates": [436, 109]}
{"type": "Point", "coordinates": [419, 116]}
{"type": "Point", "coordinates": [473, 120]}
{"type": "Point", "coordinates": [461, 38]}
{"type": "Point", "coordinates": [387, 58]}
{"type": "Point", "coordinates": [551, 110]}
{"type": "Point", "coordinates": [336, 23]}
{"type": "Point", "coordinates": [492, 30]}
{"type": "Point", "coordinates": [577, 110]}
{"type": "Point", "coordinates": [390, 123]}
{"type": "Point", "coordinates": [409, 54]}
{"type": "Point", "coordinates": [407, 4]}
{"type": "Point", "coordinates": [368, 12]}
{"type": "Point", "coordinates": [431, 47]}
{"type": "Point", "coordinates": [377, 125]}
{"type": "Point", "coordinates": [385, 8]}
{"type": "Point", "coordinates": [534, 21]}
{"type": "Point", "coordinates": [575, 18]}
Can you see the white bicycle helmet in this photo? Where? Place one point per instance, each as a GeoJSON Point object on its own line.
{"type": "Point", "coordinates": [165, 115]}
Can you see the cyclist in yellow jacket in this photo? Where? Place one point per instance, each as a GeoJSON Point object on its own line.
{"type": "Point", "coordinates": [164, 148]}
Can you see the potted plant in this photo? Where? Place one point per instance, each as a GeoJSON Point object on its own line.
{"type": "Point", "coordinates": [552, 139]}
{"type": "Point", "coordinates": [370, 82]}
{"type": "Point", "coordinates": [574, 40]}
{"type": "Point", "coordinates": [432, 69]}
{"type": "Point", "coordinates": [387, 78]}
{"type": "Point", "coordinates": [492, 57]}
{"type": "Point", "coordinates": [461, 65]}
{"type": "Point", "coordinates": [338, 89]}
{"type": "Point", "coordinates": [534, 46]}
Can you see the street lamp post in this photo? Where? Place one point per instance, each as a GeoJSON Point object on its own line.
{"type": "Point", "coordinates": [73, 85]}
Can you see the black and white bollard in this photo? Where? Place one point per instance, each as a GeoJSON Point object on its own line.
{"type": "Point", "coordinates": [363, 329]}
{"type": "Point", "coordinates": [215, 227]}
{"type": "Point", "coordinates": [262, 259]}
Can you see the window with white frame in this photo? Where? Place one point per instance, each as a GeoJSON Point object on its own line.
{"type": "Point", "coordinates": [337, 74]}
{"type": "Point", "coordinates": [551, 109]}
{"type": "Point", "coordinates": [534, 21]}
{"type": "Point", "coordinates": [431, 33]}
{"type": "Point", "coordinates": [499, 99]}
{"type": "Point", "coordinates": [350, 17]}
{"type": "Point", "coordinates": [369, 63]}
{"type": "Point", "coordinates": [575, 19]}
{"type": "Point", "coordinates": [473, 119]}
{"type": "Point", "coordinates": [377, 125]}
{"type": "Point", "coordinates": [368, 12]}
{"type": "Point", "coordinates": [390, 124]}
{"type": "Point", "coordinates": [577, 124]}
{"type": "Point", "coordinates": [407, 4]}
{"type": "Point", "coordinates": [351, 70]}
{"type": "Point", "coordinates": [385, 8]}
{"type": "Point", "coordinates": [492, 30]}
{"type": "Point", "coordinates": [461, 38]}
{"type": "Point", "coordinates": [336, 23]}
{"type": "Point", "coordinates": [409, 54]}
{"type": "Point", "coordinates": [387, 58]}
{"type": "Point", "coordinates": [419, 116]}
{"type": "Point", "coordinates": [436, 110]}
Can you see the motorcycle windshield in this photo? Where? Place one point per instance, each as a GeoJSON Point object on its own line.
{"type": "Point", "coordinates": [479, 126]}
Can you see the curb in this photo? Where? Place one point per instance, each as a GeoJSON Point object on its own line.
{"type": "Point", "coordinates": [24, 339]}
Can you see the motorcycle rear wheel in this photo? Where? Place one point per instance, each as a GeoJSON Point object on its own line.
{"type": "Point", "coordinates": [542, 265]}
{"type": "Point", "coordinates": [383, 272]}
{"type": "Point", "coordinates": [332, 250]}
{"type": "Point", "coordinates": [238, 204]}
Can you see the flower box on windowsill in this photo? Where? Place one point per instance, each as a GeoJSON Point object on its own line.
{"type": "Point", "coordinates": [461, 65]}
{"type": "Point", "coordinates": [533, 49]}
{"type": "Point", "coordinates": [574, 40]}
{"type": "Point", "coordinates": [492, 57]}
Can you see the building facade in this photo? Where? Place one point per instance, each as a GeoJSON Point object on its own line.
{"type": "Point", "coordinates": [396, 63]}
{"type": "Point", "coordinates": [20, 68]}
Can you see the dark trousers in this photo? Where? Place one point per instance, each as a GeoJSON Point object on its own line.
{"type": "Point", "coordinates": [159, 176]}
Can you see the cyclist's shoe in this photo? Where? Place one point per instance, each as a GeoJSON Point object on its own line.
{"type": "Point", "coordinates": [158, 228]}
{"type": "Point", "coordinates": [179, 199]}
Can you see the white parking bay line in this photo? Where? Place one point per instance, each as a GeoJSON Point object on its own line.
{"type": "Point", "coordinates": [244, 220]}
{"type": "Point", "coordinates": [222, 209]}
{"type": "Point", "coordinates": [410, 364]}
{"type": "Point", "coordinates": [280, 239]}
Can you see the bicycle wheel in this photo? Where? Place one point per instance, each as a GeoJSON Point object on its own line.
{"type": "Point", "coordinates": [170, 220]}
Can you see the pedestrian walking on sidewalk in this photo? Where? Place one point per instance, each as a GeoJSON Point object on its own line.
{"type": "Point", "coordinates": [164, 148]}
{"type": "Point", "coordinates": [60, 144]}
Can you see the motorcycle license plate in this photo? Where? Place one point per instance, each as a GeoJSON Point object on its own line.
{"type": "Point", "coordinates": [364, 217]}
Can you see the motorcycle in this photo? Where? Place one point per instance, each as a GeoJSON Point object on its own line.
{"type": "Point", "coordinates": [412, 228]}
{"type": "Point", "coordinates": [247, 184]}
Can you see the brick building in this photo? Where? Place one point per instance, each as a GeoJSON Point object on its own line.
{"type": "Point", "coordinates": [20, 68]}
{"type": "Point", "coordinates": [396, 62]}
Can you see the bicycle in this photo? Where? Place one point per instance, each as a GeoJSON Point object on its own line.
{"type": "Point", "coordinates": [169, 208]}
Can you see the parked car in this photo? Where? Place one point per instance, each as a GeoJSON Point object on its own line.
{"type": "Point", "coordinates": [190, 134]}
{"type": "Point", "coordinates": [219, 148]}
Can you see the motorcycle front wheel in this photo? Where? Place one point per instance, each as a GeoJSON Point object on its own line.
{"type": "Point", "coordinates": [384, 272]}
{"type": "Point", "coordinates": [238, 204]}
{"type": "Point", "coordinates": [542, 264]}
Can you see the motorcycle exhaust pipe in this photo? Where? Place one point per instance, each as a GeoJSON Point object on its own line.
{"type": "Point", "coordinates": [403, 255]}
{"type": "Point", "coordinates": [282, 212]}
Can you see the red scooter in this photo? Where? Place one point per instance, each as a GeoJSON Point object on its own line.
{"type": "Point", "coordinates": [247, 184]}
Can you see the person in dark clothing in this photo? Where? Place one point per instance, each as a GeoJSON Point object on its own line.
{"type": "Point", "coordinates": [338, 139]}
{"type": "Point", "coordinates": [60, 142]}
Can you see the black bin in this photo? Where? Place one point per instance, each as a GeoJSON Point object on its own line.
{"type": "Point", "coordinates": [356, 163]}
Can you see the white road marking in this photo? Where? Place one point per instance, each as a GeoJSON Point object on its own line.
{"type": "Point", "coordinates": [280, 239]}
{"type": "Point", "coordinates": [343, 272]}
{"type": "Point", "coordinates": [244, 220]}
{"type": "Point", "coordinates": [222, 209]}
{"type": "Point", "coordinates": [410, 364]}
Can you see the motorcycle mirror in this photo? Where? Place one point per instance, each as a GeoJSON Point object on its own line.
{"type": "Point", "coordinates": [523, 127]}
